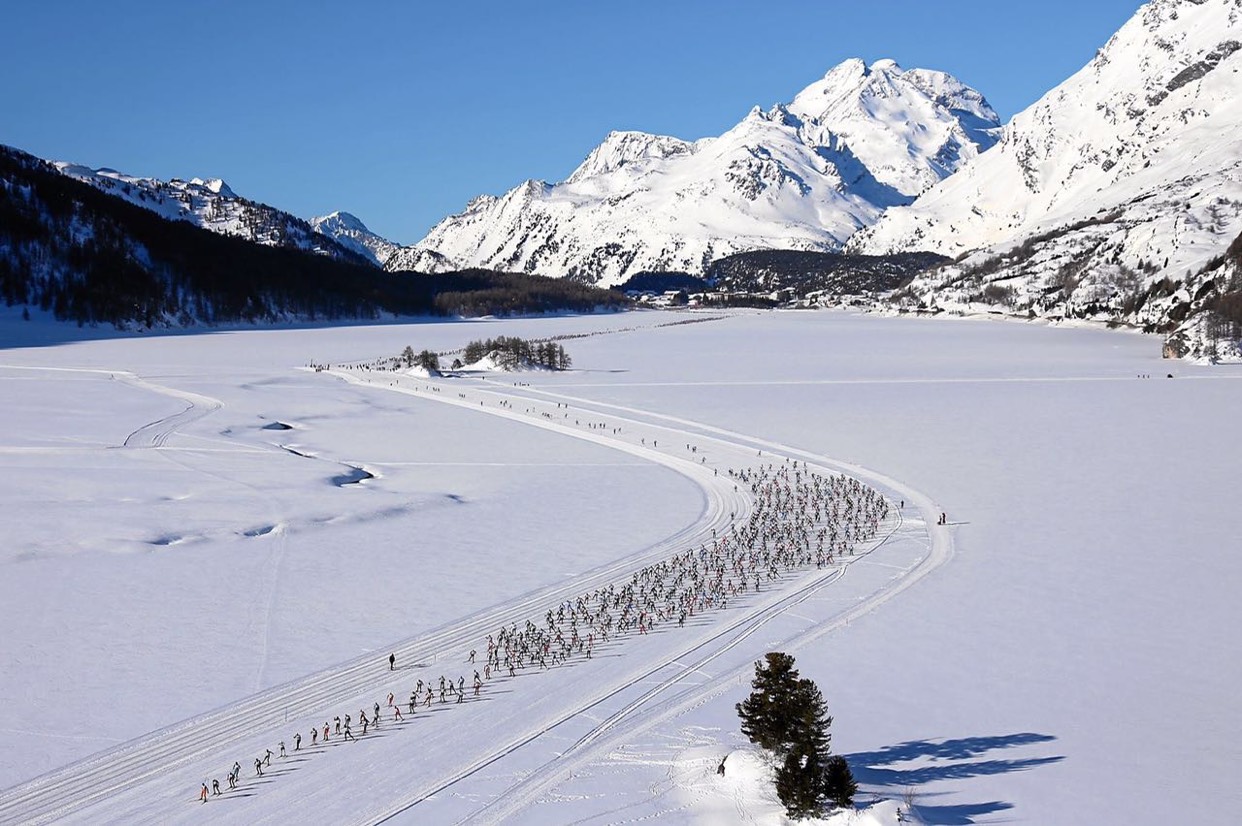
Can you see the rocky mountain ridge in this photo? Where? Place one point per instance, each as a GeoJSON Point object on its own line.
{"type": "Point", "coordinates": [805, 175]}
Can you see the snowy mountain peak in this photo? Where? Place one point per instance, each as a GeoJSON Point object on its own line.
{"type": "Point", "coordinates": [339, 220]}
{"type": "Point", "coordinates": [215, 185]}
{"type": "Point", "coordinates": [208, 203]}
{"type": "Point", "coordinates": [1162, 91]}
{"type": "Point", "coordinates": [622, 148]}
{"type": "Point", "coordinates": [1112, 194]}
{"type": "Point", "coordinates": [802, 175]}
{"type": "Point", "coordinates": [350, 232]}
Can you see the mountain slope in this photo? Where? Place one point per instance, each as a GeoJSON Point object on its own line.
{"type": "Point", "coordinates": [349, 231]}
{"type": "Point", "coordinates": [212, 205]}
{"type": "Point", "coordinates": [80, 254]}
{"type": "Point", "coordinates": [1111, 195]}
{"type": "Point", "coordinates": [805, 175]}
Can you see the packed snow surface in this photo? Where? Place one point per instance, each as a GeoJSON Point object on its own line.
{"type": "Point", "coordinates": [211, 547]}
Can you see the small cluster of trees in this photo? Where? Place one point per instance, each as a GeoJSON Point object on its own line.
{"type": "Point", "coordinates": [426, 359]}
{"type": "Point", "coordinates": [786, 714]}
{"type": "Point", "coordinates": [511, 351]}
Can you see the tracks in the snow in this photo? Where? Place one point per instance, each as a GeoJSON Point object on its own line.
{"type": "Point", "coordinates": [76, 788]}
{"type": "Point", "coordinates": [80, 785]}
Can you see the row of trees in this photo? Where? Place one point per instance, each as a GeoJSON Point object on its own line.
{"type": "Point", "coordinates": [511, 351]}
{"type": "Point", "coordinates": [786, 714]}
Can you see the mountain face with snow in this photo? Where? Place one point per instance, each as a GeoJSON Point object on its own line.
{"type": "Point", "coordinates": [1112, 197]}
{"type": "Point", "coordinates": [212, 205]}
{"type": "Point", "coordinates": [803, 175]}
{"type": "Point", "coordinates": [349, 231]}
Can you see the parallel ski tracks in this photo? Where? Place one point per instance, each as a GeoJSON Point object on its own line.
{"type": "Point", "coordinates": [80, 785]}
{"type": "Point", "coordinates": [77, 787]}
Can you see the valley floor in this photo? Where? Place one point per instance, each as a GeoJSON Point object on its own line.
{"type": "Point", "coordinates": [211, 547]}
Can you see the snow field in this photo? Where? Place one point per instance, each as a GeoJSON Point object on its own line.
{"type": "Point", "coordinates": [1069, 662]}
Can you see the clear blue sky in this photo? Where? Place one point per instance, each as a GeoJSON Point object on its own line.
{"type": "Point", "coordinates": [400, 112]}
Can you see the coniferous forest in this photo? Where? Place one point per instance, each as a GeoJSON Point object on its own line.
{"type": "Point", "coordinates": [88, 257]}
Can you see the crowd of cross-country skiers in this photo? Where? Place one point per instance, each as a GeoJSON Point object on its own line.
{"type": "Point", "coordinates": [800, 519]}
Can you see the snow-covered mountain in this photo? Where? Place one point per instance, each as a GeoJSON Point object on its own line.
{"type": "Point", "coordinates": [1111, 196]}
{"type": "Point", "coordinates": [803, 175]}
{"type": "Point", "coordinates": [212, 205]}
{"type": "Point", "coordinates": [349, 231]}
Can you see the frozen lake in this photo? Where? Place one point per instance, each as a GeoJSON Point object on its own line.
{"type": "Point", "coordinates": [185, 531]}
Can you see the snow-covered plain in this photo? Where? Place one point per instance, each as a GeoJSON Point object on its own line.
{"type": "Point", "coordinates": [1061, 653]}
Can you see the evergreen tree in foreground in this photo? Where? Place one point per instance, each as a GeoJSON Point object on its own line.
{"type": "Point", "coordinates": [787, 714]}
{"type": "Point", "coordinates": [767, 714]}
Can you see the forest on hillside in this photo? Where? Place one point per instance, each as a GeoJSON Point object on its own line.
{"type": "Point", "coordinates": [91, 258]}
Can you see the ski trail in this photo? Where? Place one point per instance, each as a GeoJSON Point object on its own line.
{"type": "Point", "coordinates": [152, 434]}
{"type": "Point", "coordinates": [156, 433]}
{"type": "Point", "coordinates": [607, 733]}
{"type": "Point", "coordinates": [100, 787]}
{"type": "Point", "coordinates": [78, 786]}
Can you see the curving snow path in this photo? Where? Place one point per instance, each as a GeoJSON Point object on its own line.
{"type": "Point", "coordinates": [492, 758]}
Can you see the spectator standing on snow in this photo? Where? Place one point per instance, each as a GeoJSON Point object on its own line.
{"type": "Point", "coordinates": [392, 662]}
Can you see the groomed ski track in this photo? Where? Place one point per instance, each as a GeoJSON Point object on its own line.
{"type": "Point", "coordinates": [153, 779]}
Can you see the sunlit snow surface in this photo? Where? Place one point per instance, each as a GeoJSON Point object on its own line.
{"type": "Point", "coordinates": [1063, 655]}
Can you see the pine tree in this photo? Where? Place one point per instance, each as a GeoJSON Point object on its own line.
{"type": "Point", "coordinates": [800, 782]}
{"type": "Point", "coordinates": [428, 360]}
{"type": "Point", "coordinates": [768, 713]}
{"type": "Point", "coordinates": [787, 714]}
{"type": "Point", "coordinates": [839, 785]}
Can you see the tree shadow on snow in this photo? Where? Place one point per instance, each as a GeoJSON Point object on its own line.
{"type": "Point", "coordinates": [962, 814]}
{"type": "Point", "coordinates": [956, 759]}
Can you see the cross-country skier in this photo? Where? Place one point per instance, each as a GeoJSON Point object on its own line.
{"type": "Point", "coordinates": [297, 741]}
{"type": "Point", "coordinates": [392, 662]}
{"type": "Point", "coordinates": [215, 786]}
{"type": "Point", "coordinates": [203, 794]}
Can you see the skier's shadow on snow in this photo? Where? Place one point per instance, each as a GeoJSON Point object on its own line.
{"type": "Point", "coordinates": [947, 760]}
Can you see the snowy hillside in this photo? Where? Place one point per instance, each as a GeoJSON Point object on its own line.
{"type": "Point", "coordinates": [803, 175]}
{"type": "Point", "coordinates": [349, 231]}
{"type": "Point", "coordinates": [1109, 196]}
{"type": "Point", "coordinates": [212, 205]}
